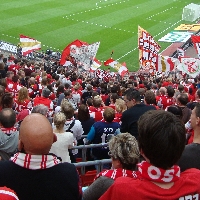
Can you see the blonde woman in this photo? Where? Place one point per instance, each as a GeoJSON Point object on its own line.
{"type": "Point", "coordinates": [124, 153]}
{"type": "Point", "coordinates": [120, 107]}
{"type": "Point", "coordinates": [23, 101]}
{"type": "Point", "coordinates": [64, 139]}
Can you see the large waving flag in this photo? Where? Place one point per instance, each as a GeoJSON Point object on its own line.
{"type": "Point", "coordinates": [148, 50]}
{"type": "Point", "coordinates": [85, 54]}
{"type": "Point", "coordinates": [66, 52]}
{"type": "Point", "coordinates": [190, 66]}
{"type": "Point", "coordinates": [196, 41]}
{"type": "Point", "coordinates": [166, 63]}
{"type": "Point", "coordinates": [121, 68]}
{"type": "Point", "coordinates": [29, 45]}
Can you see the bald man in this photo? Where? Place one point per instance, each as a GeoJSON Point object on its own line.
{"type": "Point", "coordinates": [33, 173]}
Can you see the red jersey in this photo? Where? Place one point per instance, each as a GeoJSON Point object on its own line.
{"type": "Point", "coordinates": [96, 113]}
{"type": "Point", "coordinates": [14, 68]}
{"type": "Point", "coordinates": [26, 104]}
{"type": "Point", "coordinates": [186, 187]}
{"type": "Point", "coordinates": [168, 101]}
{"type": "Point", "coordinates": [33, 90]}
{"type": "Point", "coordinates": [104, 97]}
{"type": "Point", "coordinates": [13, 88]}
{"type": "Point", "coordinates": [118, 117]}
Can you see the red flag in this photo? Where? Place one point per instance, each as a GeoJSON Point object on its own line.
{"type": "Point", "coordinates": [196, 41]}
{"type": "Point", "coordinates": [66, 51]}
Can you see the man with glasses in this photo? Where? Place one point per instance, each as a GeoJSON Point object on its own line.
{"type": "Point", "coordinates": [134, 110]}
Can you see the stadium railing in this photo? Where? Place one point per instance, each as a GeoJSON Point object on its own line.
{"type": "Point", "coordinates": [98, 163]}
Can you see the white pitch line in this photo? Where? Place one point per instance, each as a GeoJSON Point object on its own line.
{"type": "Point", "coordinates": [82, 21]}
{"type": "Point", "coordinates": [161, 12]}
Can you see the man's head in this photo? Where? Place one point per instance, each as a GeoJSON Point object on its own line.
{"type": "Point", "coordinates": [68, 94]}
{"type": "Point", "coordinates": [41, 108]}
{"type": "Point", "coordinates": [7, 118]}
{"type": "Point", "coordinates": [149, 97]}
{"type": "Point", "coordinates": [32, 81]}
{"type": "Point", "coordinates": [109, 114]}
{"type": "Point", "coordinates": [170, 91]}
{"type": "Point", "coordinates": [195, 117]}
{"type": "Point", "coordinates": [10, 74]}
{"type": "Point", "coordinates": [97, 101]}
{"type": "Point", "coordinates": [162, 90]}
{"type": "Point", "coordinates": [46, 92]}
{"type": "Point", "coordinates": [36, 135]}
{"type": "Point", "coordinates": [132, 97]}
{"type": "Point", "coordinates": [182, 99]}
{"type": "Point", "coordinates": [197, 94]}
{"type": "Point", "coordinates": [161, 138]}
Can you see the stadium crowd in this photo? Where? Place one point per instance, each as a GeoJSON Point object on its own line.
{"type": "Point", "coordinates": [151, 125]}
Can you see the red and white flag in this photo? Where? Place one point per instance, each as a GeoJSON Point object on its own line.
{"type": "Point", "coordinates": [196, 42]}
{"type": "Point", "coordinates": [67, 63]}
{"type": "Point", "coordinates": [121, 68]}
{"type": "Point", "coordinates": [166, 63]}
{"type": "Point", "coordinates": [95, 65]}
{"type": "Point", "coordinates": [29, 45]}
{"type": "Point", "coordinates": [148, 51]}
{"type": "Point", "coordinates": [190, 66]}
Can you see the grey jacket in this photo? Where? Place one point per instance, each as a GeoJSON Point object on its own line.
{"type": "Point", "coordinates": [8, 144]}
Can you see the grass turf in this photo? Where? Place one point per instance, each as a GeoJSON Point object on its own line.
{"type": "Point", "coordinates": [114, 23]}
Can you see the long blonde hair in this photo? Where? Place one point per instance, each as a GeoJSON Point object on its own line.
{"type": "Point", "coordinates": [23, 94]}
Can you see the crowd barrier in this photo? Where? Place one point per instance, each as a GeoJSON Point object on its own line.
{"type": "Point", "coordinates": [98, 163]}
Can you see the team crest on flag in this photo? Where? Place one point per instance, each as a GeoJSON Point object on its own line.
{"type": "Point", "coordinates": [29, 45]}
{"type": "Point", "coordinates": [190, 66]}
{"type": "Point", "coordinates": [148, 51]}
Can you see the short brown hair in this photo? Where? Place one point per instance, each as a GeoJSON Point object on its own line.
{"type": "Point", "coordinates": [109, 114]}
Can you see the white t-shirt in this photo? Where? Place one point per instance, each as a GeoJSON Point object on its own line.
{"type": "Point", "coordinates": [61, 146]}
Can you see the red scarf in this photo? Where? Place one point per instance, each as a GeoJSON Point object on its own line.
{"type": "Point", "coordinates": [8, 130]}
{"type": "Point", "coordinates": [116, 173]}
{"type": "Point", "coordinates": [152, 173]}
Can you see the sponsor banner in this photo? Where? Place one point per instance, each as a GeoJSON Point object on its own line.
{"type": "Point", "coordinates": [8, 47]}
{"type": "Point", "coordinates": [176, 36]}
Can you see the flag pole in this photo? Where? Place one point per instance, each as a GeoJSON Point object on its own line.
{"type": "Point", "coordinates": [111, 53]}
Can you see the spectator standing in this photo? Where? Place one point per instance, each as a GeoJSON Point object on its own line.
{"type": "Point", "coordinates": [133, 113]}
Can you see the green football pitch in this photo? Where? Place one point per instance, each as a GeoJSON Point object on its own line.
{"type": "Point", "coordinates": [56, 23]}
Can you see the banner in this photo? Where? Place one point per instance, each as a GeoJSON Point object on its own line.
{"type": "Point", "coordinates": [176, 36]}
{"type": "Point", "coordinates": [190, 66]}
{"type": "Point", "coordinates": [28, 44]}
{"type": "Point", "coordinates": [66, 52]}
{"type": "Point", "coordinates": [148, 51]}
{"type": "Point", "coordinates": [166, 63]}
{"type": "Point", "coordinates": [5, 46]}
{"type": "Point", "coordinates": [95, 65]}
{"type": "Point", "coordinates": [120, 68]}
{"type": "Point", "coordinates": [196, 42]}
{"type": "Point", "coordinates": [85, 54]}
